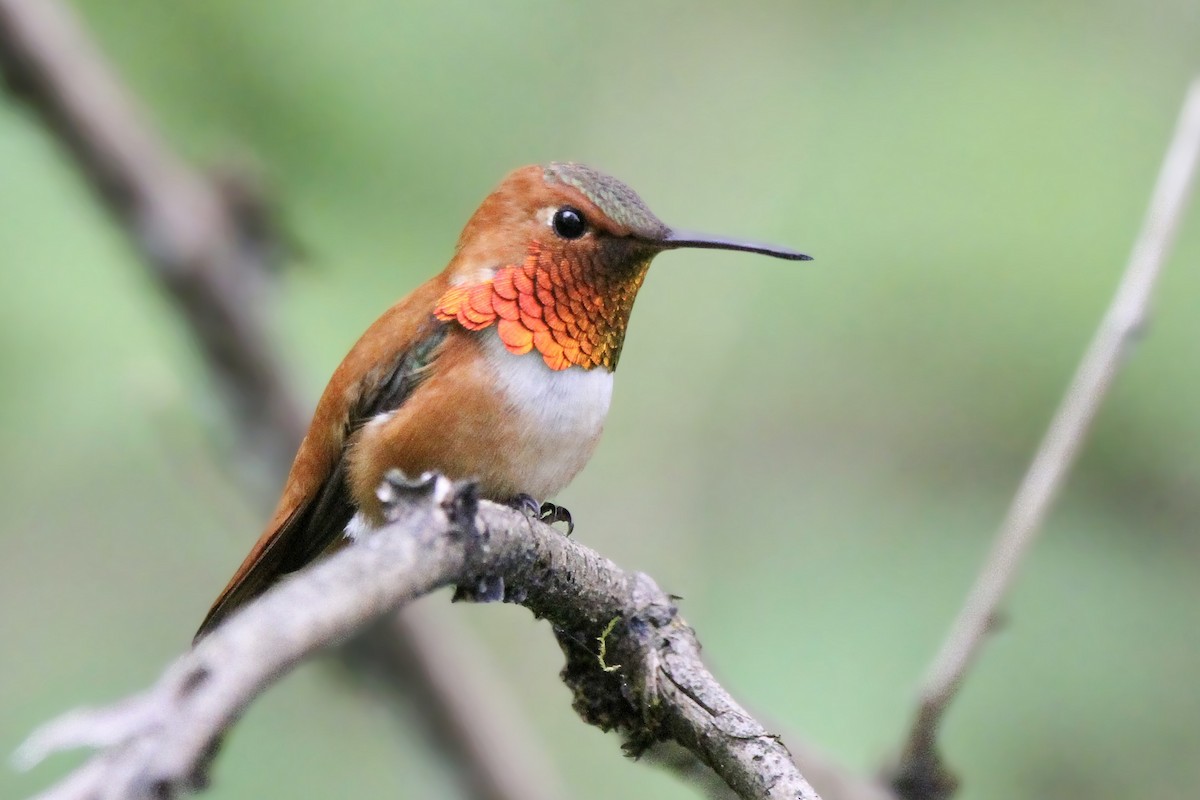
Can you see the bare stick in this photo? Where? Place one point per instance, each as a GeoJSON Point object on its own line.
{"type": "Point", "coordinates": [920, 773]}
{"type": "Point", "coordinates": [203, 243]}
{"type": "Point", "coordinates": [208, 241]}
{"type": "Point", "coordinates": [632, 663]}
{"type": "Point", "coordinates": [831, 779]}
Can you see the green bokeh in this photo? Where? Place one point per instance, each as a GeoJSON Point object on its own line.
{"type": "Point", "coordinates": [814, 456]}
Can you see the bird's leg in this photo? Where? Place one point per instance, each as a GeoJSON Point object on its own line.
{"type": "Point", "coordinates": [526, 505]}
{"type": "Point", "coordinates": [543, 512]}
{"type": "Point", "coordinates": [550, 514]}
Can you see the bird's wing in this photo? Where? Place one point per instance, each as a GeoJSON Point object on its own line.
{"type": "Point", "coordinates": [314, 511]}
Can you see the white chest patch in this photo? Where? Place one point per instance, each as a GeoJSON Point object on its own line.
{"type": "Point", "coordinates": [559, 413]}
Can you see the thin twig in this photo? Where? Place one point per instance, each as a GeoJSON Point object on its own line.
{"type": "Point", "coordinates": [208, 242]}
{"type": "Point", "coordinates": [205, 245]}
{"type": "Point", "coordinates": [161, 742]}
{"type": "Point", "coordinates": [921, 773]}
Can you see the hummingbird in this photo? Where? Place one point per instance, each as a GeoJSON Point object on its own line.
{"type": "Point", "coordinates": [498, 369]}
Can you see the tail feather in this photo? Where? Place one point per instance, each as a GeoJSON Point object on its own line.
{"type": "Point", "coordinates": [303, 535]}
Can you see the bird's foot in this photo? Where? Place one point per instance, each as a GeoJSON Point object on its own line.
{"type": "Point", "coordinates": [547, 512]}
{"type": "Point", "coordinates": [526, 505]}
{"type": "Point", "coordinates": [550, 514]}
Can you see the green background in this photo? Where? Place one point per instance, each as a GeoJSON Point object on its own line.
{"type": "Point", "coordinates": [814, 455]}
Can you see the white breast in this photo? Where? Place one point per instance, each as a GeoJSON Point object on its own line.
{"type": "Point", "coordinates": [559, 413]}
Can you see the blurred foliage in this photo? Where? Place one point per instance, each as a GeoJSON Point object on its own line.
{"type": "Point", "coordinates": [814, 456]}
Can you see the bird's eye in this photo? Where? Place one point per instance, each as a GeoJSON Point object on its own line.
{"type": "Point", "coordinates": [569, 223]}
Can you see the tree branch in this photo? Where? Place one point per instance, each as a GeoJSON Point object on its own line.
{"type": "Point", "coordinates": [632, 663]}
{"type": "Point", "coordinates": [921, 772]}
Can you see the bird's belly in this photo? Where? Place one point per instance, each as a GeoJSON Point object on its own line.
{"type": "Point", "coordinates": [508, 421]}
{"type": "Point", "coordinates": [556, 416]}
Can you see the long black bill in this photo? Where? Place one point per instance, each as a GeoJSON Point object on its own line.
{"type": "Point", "coordinates": [679, 239]}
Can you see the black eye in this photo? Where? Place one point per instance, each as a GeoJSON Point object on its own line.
{"type": "Point", "coordinates": [569, 223]}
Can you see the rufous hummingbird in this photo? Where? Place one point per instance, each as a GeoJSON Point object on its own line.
{"type": "Point", "coordinates": [500, 368]}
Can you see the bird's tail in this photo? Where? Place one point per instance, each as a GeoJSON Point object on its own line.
{"type": "Point", "coordinates": [293, 539]}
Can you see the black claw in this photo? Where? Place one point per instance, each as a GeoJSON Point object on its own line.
{"type": "Point", "coordinates": [550, 514]}
{"type": "Point", "coordinates": [543, 512]}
